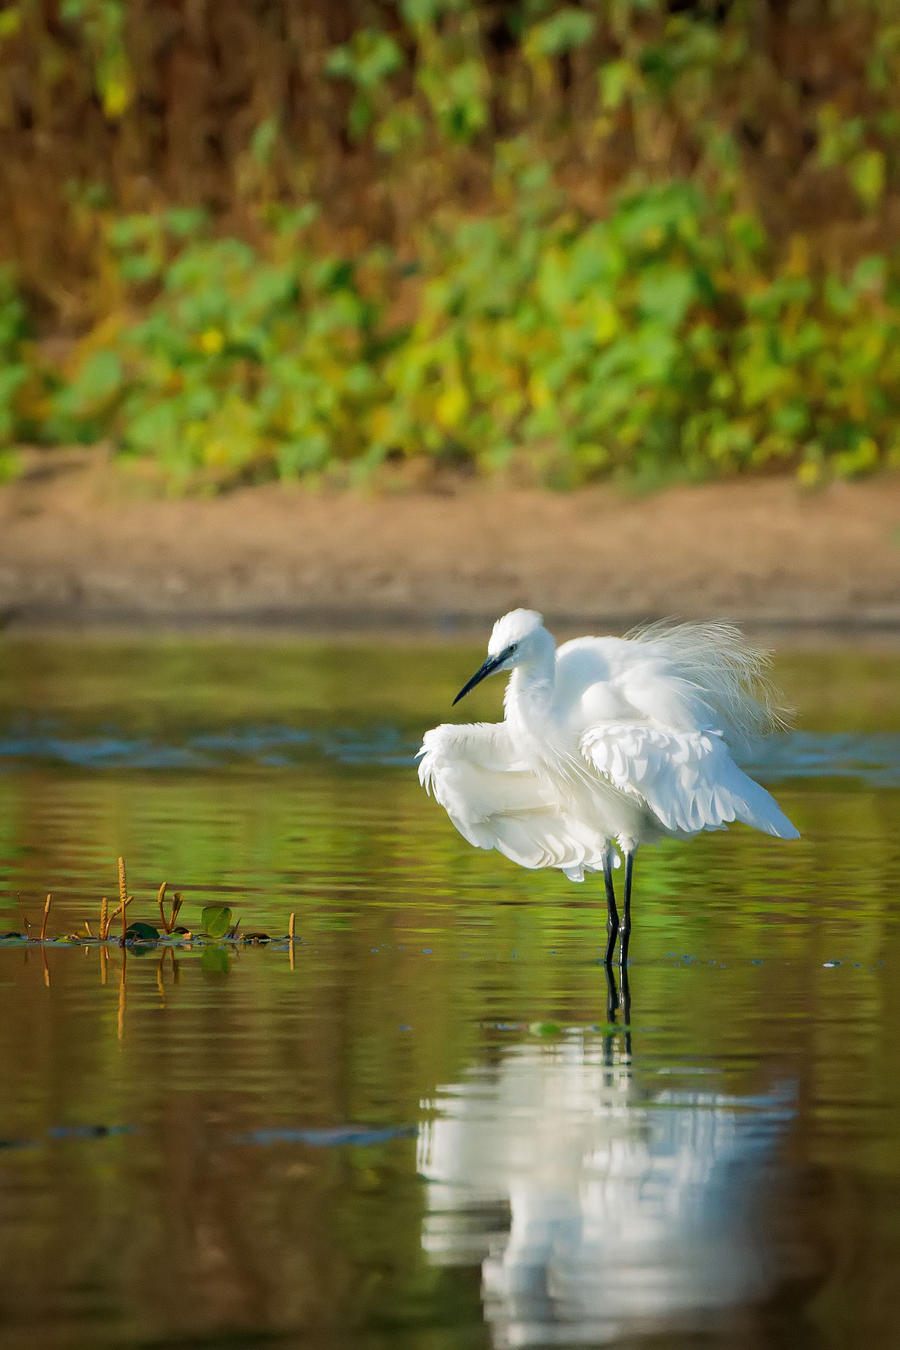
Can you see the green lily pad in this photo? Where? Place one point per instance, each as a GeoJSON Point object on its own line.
{"type": "Point", "coordinates": [141, 932]}
{"type": "Point", "coordinates": [216, 920]}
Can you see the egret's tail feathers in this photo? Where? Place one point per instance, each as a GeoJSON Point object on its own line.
{"type": "Point", "coordinates": [723, 672]}
{"type": "Point", "coordinates": [757, 807]}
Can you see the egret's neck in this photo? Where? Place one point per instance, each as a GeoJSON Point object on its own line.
{"type": "Point", "coordinates": [529, 693]}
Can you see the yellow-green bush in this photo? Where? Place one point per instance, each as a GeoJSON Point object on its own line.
{"type": "Point", "coordinates": [663, 341]}
{"type": "Point", "coordinates": [645, 238]}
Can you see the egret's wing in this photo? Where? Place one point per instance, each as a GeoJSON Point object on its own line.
{"type": "Point", "coordinates": [497, 800]}
{"type": "Point", "coordinates": [687, 779]}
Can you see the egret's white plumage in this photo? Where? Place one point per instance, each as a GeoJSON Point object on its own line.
{"type": "Point", "coordinates": [606, 741]}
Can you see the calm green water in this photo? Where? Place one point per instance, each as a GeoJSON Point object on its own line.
{"type": "Point", "coordinates": [426, 1130]}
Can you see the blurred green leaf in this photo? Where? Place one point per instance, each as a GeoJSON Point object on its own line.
{"type": "Point", "coordinates": [868, 174]}
{"type": "Point", "coordinates": [216, 920]}
{"type": "Point", "coordinates": [617, 79]}
{"type": "Point", "coordinates": [565, 30]}
{"type": "Point", "coordinates": [264, 140]}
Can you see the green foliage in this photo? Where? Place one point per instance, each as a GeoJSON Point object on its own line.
{"type": "Point", "coordinates": [667, 340]}
{"type": "Point", "coordinates": [14, 370]}
{"type": "Point", "coordinates": [662, 340]}
{"type": "Point", "coordinates": [101, 25]}
{"type": "Point", "coordinates": [564, 31]}
{"type": "Point", "coordinates": [568, 239]}
{"type": "Point", "coordinates": [247, 363]}
{"type": "Point", "coordinates": [367, 61]}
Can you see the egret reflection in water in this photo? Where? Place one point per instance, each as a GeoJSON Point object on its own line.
{"type": "Point", "coordinates": [597, 1206]}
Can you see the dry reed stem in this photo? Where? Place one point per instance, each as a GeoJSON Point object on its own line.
{"type": "Point", "coordinates": [104, 919]}
{"type": "Point", "coordinates": [291, 927]}
{"type": "Point", "coordinates": [87, 929]}
{"type": "Point", "coordinates": [119, 909]}
{"type": "Point", "coordinates": [176, 906]}
{"type": "Point", "coordinates": [47, 904]}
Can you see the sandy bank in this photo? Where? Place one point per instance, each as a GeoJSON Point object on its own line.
{"type": "Point", "coordinates": [77, 547]}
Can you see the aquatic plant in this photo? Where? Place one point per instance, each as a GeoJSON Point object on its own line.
{"type": "Point", "coordinates": [217, 924]}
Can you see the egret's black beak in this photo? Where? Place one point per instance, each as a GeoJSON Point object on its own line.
{"type": "Point", "coordinates": [490, 665]}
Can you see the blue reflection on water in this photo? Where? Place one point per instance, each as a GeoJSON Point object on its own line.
{"type": "Point", "coordinates": [335, 1136]}
{"type": "Point", "coordinates": [870, 759]}
{"type": "Point", "coordinates": [269, 745]}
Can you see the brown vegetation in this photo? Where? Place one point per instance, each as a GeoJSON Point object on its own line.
{"type": "Point", "coordinates": [109, 107]}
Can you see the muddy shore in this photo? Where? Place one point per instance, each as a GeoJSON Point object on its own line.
{"type": "Point", "coordinates": [80, 546]}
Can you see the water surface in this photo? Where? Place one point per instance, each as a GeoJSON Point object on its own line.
{"type": "Point", "coordinates": [436, 1125]}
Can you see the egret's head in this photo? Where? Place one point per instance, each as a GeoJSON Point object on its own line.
{"type": "Point", "coordinates": [513, 640]}
{"type": "Point", "coordinates": [514, 629]}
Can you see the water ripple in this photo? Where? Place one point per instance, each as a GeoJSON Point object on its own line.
{"type": "Point", "coordinates": [869, 759]}
{"type": "Point", "coordinates": [271, 746]}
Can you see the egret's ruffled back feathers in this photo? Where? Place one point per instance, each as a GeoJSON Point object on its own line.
{"type": "Point", "coordinates": [720, 672]}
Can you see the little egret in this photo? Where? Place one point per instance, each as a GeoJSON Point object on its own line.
{"type": "Point", "coordinates": [606, 743]}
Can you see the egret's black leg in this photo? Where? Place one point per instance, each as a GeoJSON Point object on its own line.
{"type": "Point", "coordinates": [626, 911]}
{"type": "Point", "coordinates": [612, 914]}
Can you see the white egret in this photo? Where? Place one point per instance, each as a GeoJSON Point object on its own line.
{"type": "Point", "coordinates": [606, 743]}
